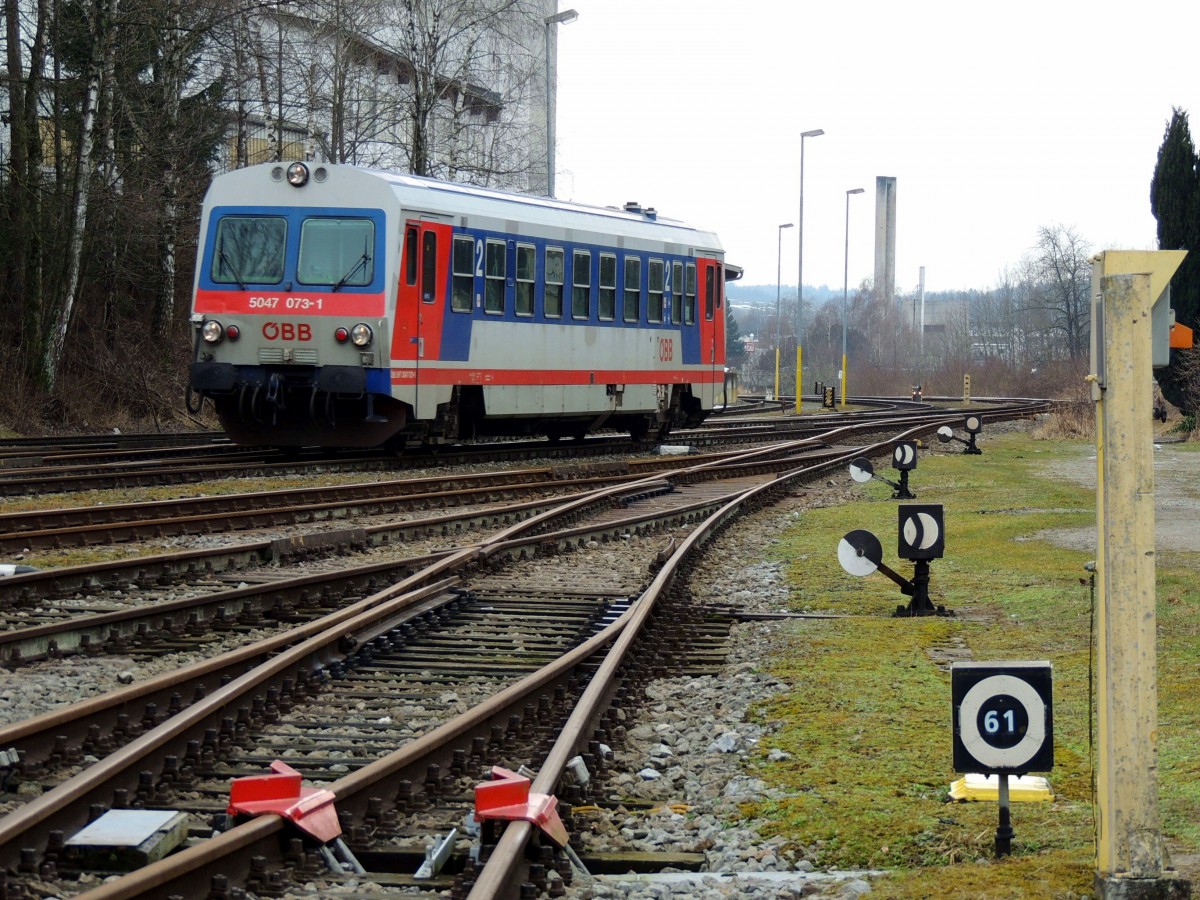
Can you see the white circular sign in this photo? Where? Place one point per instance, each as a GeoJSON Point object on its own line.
{"type": "Point", "coordinates": [904, 454]}
{"type": "Point", "coordinates": [921, 531]}
{"type": "Point", "coordinates": [859, 553]}
{"type": "Point", "coordinates": [973, 423]}
{"type": "Point", "coordinates": [988, 755]}
{"type": "Point", "coordinates": [862, 471]}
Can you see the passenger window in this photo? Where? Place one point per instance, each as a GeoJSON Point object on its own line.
{"type": "Point", "coordinates": [689, 300]}
{"type": "Point", "coordinates": [677, 292]}
{"type": "Point", "coordinates": [410, 256]}
{"type": "Point", "coordinates": [633, 289]}
{"type": "Point", "coordinates": [555, 263]}
{"type": "Point", "coordinates": [581, 284]}
{"type": "Point", "coordinates": [608, 287]}
{"type": "Point", "coordinates": [493, 291]}
{"type": "Point", "coordinates": [464, 274]}
{"type": "Point", "coordinates": [655, 276]}
{"type": "Point", "coordinates": [526, 277]}
{"type": "Point", "coordinates": [429, 267]}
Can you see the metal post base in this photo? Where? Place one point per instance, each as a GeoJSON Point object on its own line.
{"type": "Point", "coordinates": [1112, 887]}
{"type": "Point", "coordinates": [902, 491]}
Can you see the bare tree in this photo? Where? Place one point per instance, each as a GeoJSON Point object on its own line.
{"type": "Point", "coordinates": [1059, 270]}
{"type": "Point", "coordinates": [26, 52]}
{"type": "Point", "coordinates": [99, 64]}
{"type": "Point", "coordinates": [996, 321]}
{"type": "Point", "coordinates": [472, 69]}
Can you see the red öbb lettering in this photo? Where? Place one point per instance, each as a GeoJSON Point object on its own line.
{"type": "Point", "coordinates": [287, 331]}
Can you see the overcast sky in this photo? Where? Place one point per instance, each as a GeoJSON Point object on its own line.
{"type": "Point", "coordinates": [995, 119]}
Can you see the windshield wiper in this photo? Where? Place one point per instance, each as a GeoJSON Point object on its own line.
{"type": "Point", "coordinates": [228, 263]}
{"type": "Point", "coordinates": [360, 263]}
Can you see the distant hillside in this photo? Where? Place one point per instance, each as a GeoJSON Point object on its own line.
{"type": "Point", "coordinates": [761, 294]}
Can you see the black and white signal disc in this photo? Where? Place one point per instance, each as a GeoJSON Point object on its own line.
{"type": "Point", "coordinates": [862, 471]}
{"type": "Point", "coordinates": [860, 553]}
{"type": "Point", "coordinates": [921, 531]}
{"type": "Point", "coordinates": [977, 745]}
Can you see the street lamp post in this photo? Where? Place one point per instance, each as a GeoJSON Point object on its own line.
{"type": "Point", "coordinates": [566, 17]}
{"type": "Point", "coordinates": [846, 290]}
{"type": "Point", "coordinates": [816, 132]}
{"type": "Point", "coordinates": [778, 275]}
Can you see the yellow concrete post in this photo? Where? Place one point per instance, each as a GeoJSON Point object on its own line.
{"type": "Point", "coordinates": [843, 381]}
{"type": "Point", "coordinates": [1129, 851]}
{"type": "Point", "coordinates": [799, 378]}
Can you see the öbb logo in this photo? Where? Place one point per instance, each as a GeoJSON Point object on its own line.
{"type": "Point", "coordinates": [287, 331]}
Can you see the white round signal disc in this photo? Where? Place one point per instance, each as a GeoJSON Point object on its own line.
{"type": "Point", "coordinates": [974, 425]}
{"type": "Point", "coordinates": [921, 531]}
{"type": "Point", "coordinates": [904, 454]}
{"type": "Point", "coordinates": [862, 471]}
{"type": "Point", "coordinates": [988, 755]}
{"type": "Point", "coordinates": [860, 553]}
{"type": "Point", "coordinates": [945, 434]}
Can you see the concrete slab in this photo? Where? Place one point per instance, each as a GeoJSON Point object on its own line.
{"type": "Point", "coordinates": [125, 839]}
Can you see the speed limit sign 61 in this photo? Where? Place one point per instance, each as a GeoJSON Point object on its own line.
{"type": "Point", "coordinates": [1003, 717]}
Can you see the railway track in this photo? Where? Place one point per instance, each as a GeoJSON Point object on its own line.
{"type": "Point", "coordinates": [414, 640]}
{"type": "Point", "coordinates": [32, 469]}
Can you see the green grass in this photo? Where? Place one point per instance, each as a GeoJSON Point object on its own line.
{"type": "Point", "coordinates": [868, 719]}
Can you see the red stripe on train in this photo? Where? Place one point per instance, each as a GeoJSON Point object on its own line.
{"type": "Point", "coordinates": [430, 376]}
{"type": "Point", "coordinates": [265, 303]}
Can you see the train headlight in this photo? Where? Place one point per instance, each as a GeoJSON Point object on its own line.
{"type": "Point", "coordinates": [212, 331]}
{"type": "Point", "coordinates": [341, 335]}
{"type": "Point", "coordinates": [361, 335]}
{"type": "Point", "coordinates": [297, 174]}
{"type": "Point", "coordinates": [233, 332]}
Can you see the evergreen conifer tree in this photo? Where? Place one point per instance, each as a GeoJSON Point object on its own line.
{"type": "Point", "coordinates": [1175, 203]}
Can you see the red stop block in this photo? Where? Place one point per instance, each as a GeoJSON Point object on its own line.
{"type": "Point", "coordinates": [507, 797]}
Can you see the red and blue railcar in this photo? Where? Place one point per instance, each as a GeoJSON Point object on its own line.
{"type": "Point", "coordinates": [338, 306]}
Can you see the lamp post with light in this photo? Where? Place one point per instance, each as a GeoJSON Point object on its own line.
{"type": "Point", "coordinates": [846, 290]}
{"type": "Point", "coordinates": [816, 132]}
{"type": "Point", "coordinates": [566, 17]}
{"type": "Point", "coordinates": [778, 275]}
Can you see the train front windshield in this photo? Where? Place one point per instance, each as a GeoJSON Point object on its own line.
{"type": "Point", "coordinates": [250, 250]}
{"type": "Point", "coordinates": [332, 251]}
{"type": "Point", "coordinates": [336, 251]}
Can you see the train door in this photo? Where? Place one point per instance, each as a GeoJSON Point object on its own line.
{"type": "Point", "coordinates": [418, 313]}
{"type": "Point", "coordinates": [712, 330]}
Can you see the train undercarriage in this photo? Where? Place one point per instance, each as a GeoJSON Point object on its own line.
{"type": "Point", "coordinates": [303, 406]}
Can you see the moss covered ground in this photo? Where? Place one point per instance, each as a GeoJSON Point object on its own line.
{"type": "Point", "coordinates": [868, 719]}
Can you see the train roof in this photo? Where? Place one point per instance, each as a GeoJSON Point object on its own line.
{"type": "Point", "coordinates": [447, 197]}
